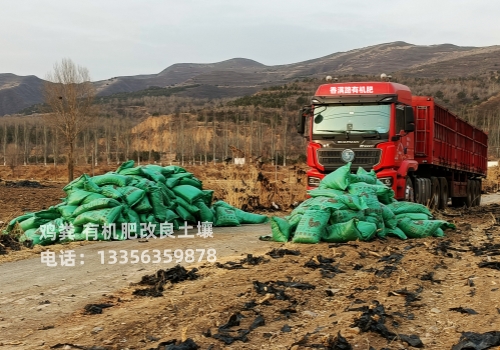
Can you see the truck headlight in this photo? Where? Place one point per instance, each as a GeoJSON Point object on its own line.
{"type": "Point", "coordinates": [386, 181]}
{"type": "Point", "coordinates": [313, 181]}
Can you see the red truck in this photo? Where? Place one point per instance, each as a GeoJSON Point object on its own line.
{"type": "Point", "coordinates": [423, 151]}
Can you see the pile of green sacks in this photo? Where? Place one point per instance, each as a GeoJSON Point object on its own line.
{"type": "Point", "coordinates": [348, 207]}
{"type": "Point", "coordinates": [143, 194]}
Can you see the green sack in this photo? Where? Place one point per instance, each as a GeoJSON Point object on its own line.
{"type": "Point", "coordinates": [181, 175]}
{"type": "Point", "coordinates": [294, 222]}
{"type": "Point", "coordinates": [132, 217]}
{"type": "Point", "coordinates": [208, 196]}
{"type": "Point", "coordinates": [174, 169]}
{"type": "Point", "coordinates": [390, 220]}
{"type": "Point", "coordinates": [374, 206]}
{"type": "Point", "coordinates": [419, 228]}
{"type": "Point", "coordinates": [171, 182]}
{"type": "Point", "coordinates": [164, 194]}
{"type": "Point", "coordinates": [153, 174]}
{"type": "Point", "coordinates": [156, 201]}
{"type": "Point", "coordinates": [92, 197]}
{"type": "Point", "coordinates": [223, 204]}
{"type": "Point", "coordinates": [32, 235]}
{"type": "Point", "coordinates": [99, 203]}
{"type": "Point", "coordinates": [75, 184]}
{"type": "Point", "coordinates": [67, 211]}
{"type": "Point", "coordinates": [110, 192]}
{"type": "Point", "coordinates": [338, 180]}
{"type": "Point", "coordinates": [311, 226]}
{"type": "Point", "coordinates": [396, 232]}
{"type": "Point", "coordinates": [408, 207]}
{"type": "Point", "coordinates": [325, 192]}
{"type": "Point", "coordinates": [32, 222]}
{"type": "Point", "coordinates": [133, 195]}
{"type": "Point", "coordinates": [143, 184]}
{"type": "Point", "coordinates": [170, 215]}
{"type": "Point", "coordinates": [353, 202]}
{"type": "Point", "coordinates": [89, 185]}
{"type": "Point", "coordinates": [77, 196]}
{"type": "Point", "coordinates": [193, 209]}
{"type": "Point", "coordinates": [302, 207]}
{"type": "Point", "coordinates": [280, 228]}
{"type": "Point", "coordinates": [438, 233]}
{"type": "Point", "coordinates": [143, 206]}
{"type": "Point", "coordinates": [361, 187]}
{"type": "Point", "coordinates": [191, 182]}
{"type": "Point", "coordinates": [225, 217]}
{"type": "Point", "coordinates": [366, 229]}
{"type": "Point", "coordinates": [413, 216]}
{"type": "Point", "coordinates": [363, 176]}
{"type": "Point", "coordinates": [51, 213]}
{"type": "Point", "coordinates": [126, 165]}
{"type": "Point", "coordinates": [339, 216]}
{"type": "Point", "coordinates": [99, 217]}
{"type": "Point", "coordinates": [329, 203]}
{"type": "Point", "coordinates": [111, 179]}
{"type": "Point", "coordinates": [249, 218]}
{"type": "Point", "coordinates": [137, 171]}
{"type": "Point", "coordinates": [341, 233]}
{"type": "Point", "coordinates": [20, 218]}
{"type": "Point", "coordinates": [184, 214]}
{"type": "Point", "coordinates": [385, 194]}
{"type": "Point", "coordinates": [205, 214]}
{"type": "Point", "coordinates": [50, 238]}
{"type": "Point", "coordinates": [189, 193]}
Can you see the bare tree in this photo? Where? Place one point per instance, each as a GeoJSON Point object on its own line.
{"type": "Point", "coordinates": [69, 95]}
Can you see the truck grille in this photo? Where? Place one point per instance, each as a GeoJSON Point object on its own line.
{"type": "Point", "coordinates": [366, 158]}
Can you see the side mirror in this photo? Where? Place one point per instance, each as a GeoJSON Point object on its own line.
{"type": "Point", "coordinates": [409, 119]}
{"type": "Point", "coordinates": [301, 122]}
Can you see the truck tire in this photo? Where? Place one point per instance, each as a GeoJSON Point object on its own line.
{"type": "Point", "coordinates": [469, 200]}
{"type": "Point", "coordinates": [435, 192]}
{"type": "Point", "coordinates": [443, 193]}
{"type": "Point", "coordinates": [479, 191]}
{"type": "Point", "coordinates": [427, 191]}
{"type": "Point", "coordinates": [419, 191]}
{"type": "Point", "coordinates": [409, 190]}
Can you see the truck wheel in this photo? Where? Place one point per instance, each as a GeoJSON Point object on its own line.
{"type": "Point", "coordinates": [418, 191]}
{"type": "Point", "coordinates": [479, 191]}
{"type": "Point", "coordinates": [427, 191]}
{"type": "Point", "coordinates": [409, 190]}
{"type": "Point", "coordinates": [469, 200]}
{"type": "Point", "coordinates": [443, 193]}
{"type": "Point", "coordinates": [435, 192]}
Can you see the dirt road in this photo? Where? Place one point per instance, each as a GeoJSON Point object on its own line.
{"type": "Point", "coordinates": [33, 295]}
{"type": "Point", "coordinates": [41, 307]}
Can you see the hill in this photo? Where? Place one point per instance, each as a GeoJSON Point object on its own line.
{"type": "Point", "coordinates": [239, 76]}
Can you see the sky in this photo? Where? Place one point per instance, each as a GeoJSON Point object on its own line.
{"type": "Point", "coordinates": [131, 37]}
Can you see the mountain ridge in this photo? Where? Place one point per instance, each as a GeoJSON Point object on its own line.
{"type": "Point", "coordinates": [239, 76]}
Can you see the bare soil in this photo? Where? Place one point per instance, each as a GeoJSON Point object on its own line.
{"type": "Point", "coordinates": [293, 304]}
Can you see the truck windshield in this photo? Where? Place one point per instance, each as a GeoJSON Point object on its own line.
{"type": "Point", "coordinates": [355, 119]}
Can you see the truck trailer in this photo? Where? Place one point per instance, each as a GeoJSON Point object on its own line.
{"type": "Point", "coordinates": [424, 152]}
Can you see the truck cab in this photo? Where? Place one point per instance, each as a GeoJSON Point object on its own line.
{"type": "Point", "coordinates": [369, 124]}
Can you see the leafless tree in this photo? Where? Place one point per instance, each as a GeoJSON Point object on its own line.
{"type": "Point", "coordinates": [69, 94]}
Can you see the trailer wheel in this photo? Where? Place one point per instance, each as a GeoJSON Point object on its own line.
{"type": "Point", "coordinates": [409, 191]}
{"type": "Point", "coordinates": [419, 191]}
{"type": "Point", "coordinates": [435, 192]}
{"type": "Point", "coordinates": [426, 191]}
{"type": "Point", "coordinates": [469, 200]}
{"type": "Point", "coordinates": [443, 193]}
{"type": "Point", "coordinates": [479, 191]}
